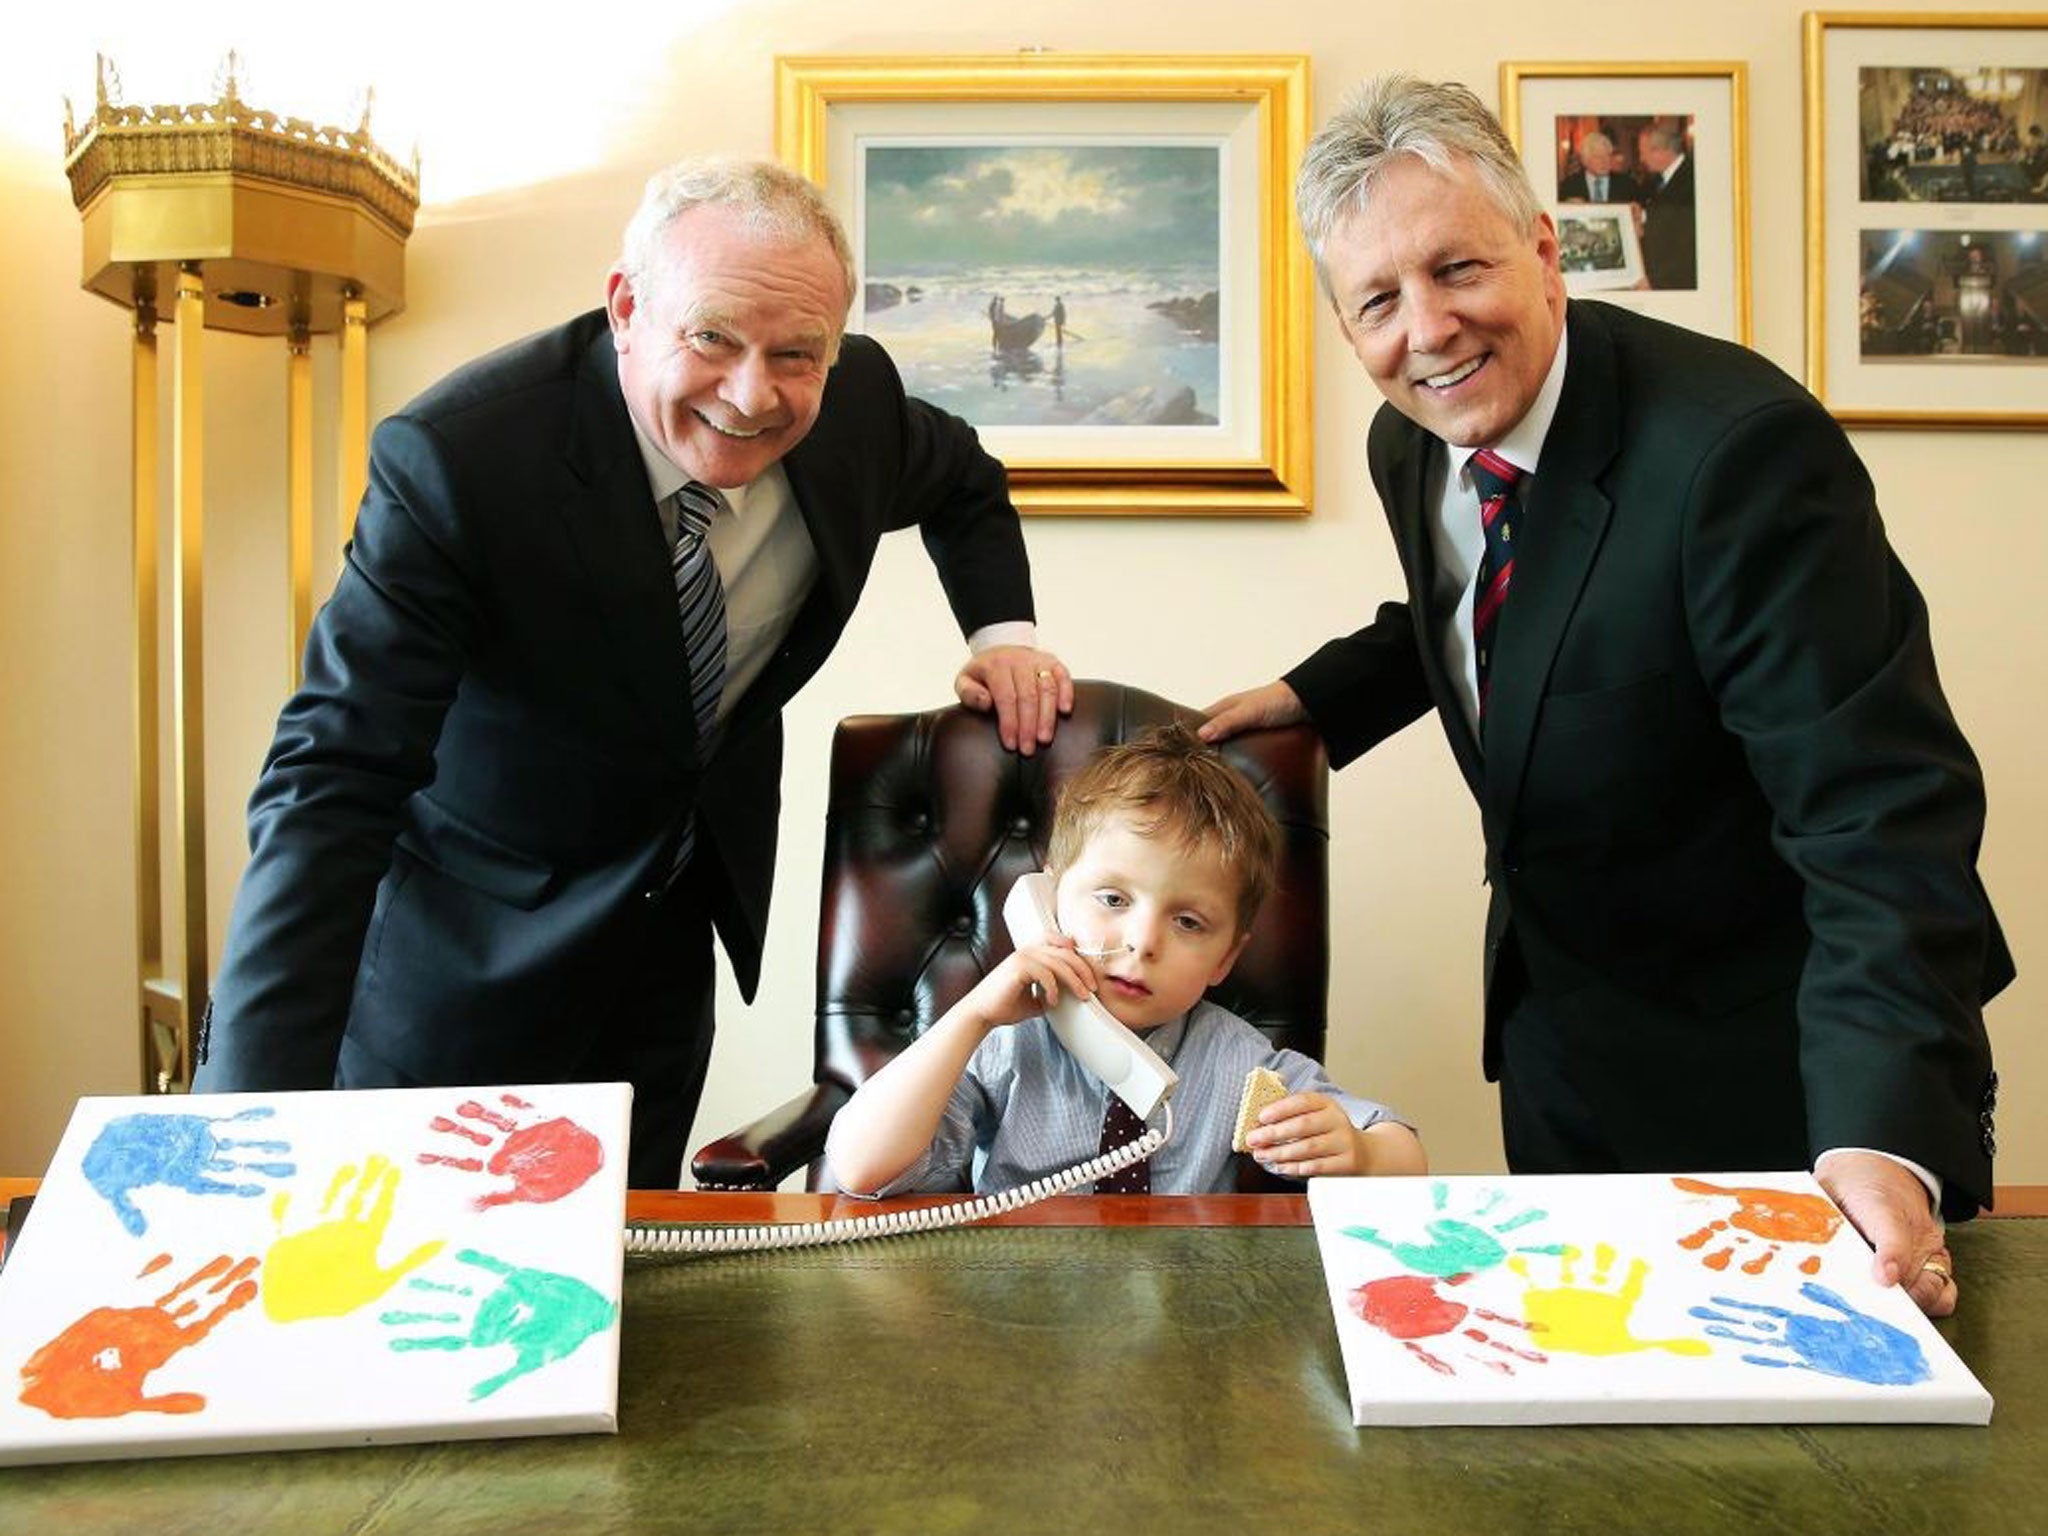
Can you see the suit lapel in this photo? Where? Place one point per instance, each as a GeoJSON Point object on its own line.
{"type": "Point", "coordinates": [616, 531]}
{"type": "Point", "coordinates": [1408, 481]}
{"type": "Point", "coordinates": [821, 471]}
{"type": "Point", "coordinates": [1566, 518]}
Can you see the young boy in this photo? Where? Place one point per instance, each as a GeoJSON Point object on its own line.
{"type": "Point", "coordinates": [1162, 853]}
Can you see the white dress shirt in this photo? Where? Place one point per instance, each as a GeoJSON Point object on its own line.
{"type": "Point", "coordinates": [1456, 536]}
{"type": "Point", "coordinates": [768, 565]}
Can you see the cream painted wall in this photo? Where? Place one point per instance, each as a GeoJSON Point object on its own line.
{"type": "Point", "coordinates": [528, 181]}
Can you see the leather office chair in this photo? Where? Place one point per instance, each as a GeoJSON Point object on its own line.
{"type": "Point", "coordinates": [929, 823]}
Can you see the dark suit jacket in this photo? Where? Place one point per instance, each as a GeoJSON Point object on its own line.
{"type": "Point", "coordinates": [486, 771]}
{"type": "Point", "coordinates": [1622, 187]}
{"type": "Point", "coordinates": [1671, 255]}
{"type": "Point", "coordinates": [1731, 826]}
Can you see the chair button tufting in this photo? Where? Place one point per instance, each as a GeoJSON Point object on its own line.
{"type": "Point", "coordinates": [1021, 827]}
{"type": "Point", "coordinates": [964, 923]}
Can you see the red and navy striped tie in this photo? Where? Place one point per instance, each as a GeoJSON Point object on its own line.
{"type": "Point", "coordinates": [1493, 477]}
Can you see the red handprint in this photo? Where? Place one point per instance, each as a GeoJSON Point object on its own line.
{"type": "Point", "coordinates": [545, 1160]}
{"type": "Point", "coordinates": [1409, 1307]}
{"type": "Point", "coordinates": [96, 1368]}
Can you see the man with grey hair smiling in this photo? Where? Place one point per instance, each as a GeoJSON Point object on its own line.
{"type": "Point", "coordinates": [537, 755]}
{"type": "Point", "coordinates": [1598, 178]}
{"type": "Point", "coordinates": [1730, 825]}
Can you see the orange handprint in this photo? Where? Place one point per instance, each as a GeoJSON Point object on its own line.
{"type": "Point", "coordinates": [1775, 1215]}
{"type": "Point", "coordinates": [97, 1368]}
{"type": "Point", "coordinates": [331, 1269]}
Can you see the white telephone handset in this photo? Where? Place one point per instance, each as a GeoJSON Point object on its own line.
{"type": "Point", "coordinates": [1102, 1045]}
{"type": "Point", "coordinates": [1084, 1026]}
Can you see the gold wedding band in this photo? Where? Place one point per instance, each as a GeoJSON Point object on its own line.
{"type": "Point", "coordinates": [1045, 674]}
{"type": "Point", "coordinates": [1940, 1269]}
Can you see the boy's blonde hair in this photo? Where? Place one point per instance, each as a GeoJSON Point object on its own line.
{"type": "Point", "coordinates": [1173, 784]}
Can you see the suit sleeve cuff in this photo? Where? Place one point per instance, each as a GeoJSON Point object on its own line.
{"type": "Point", "coordinates": [1008, 632]}
{"type": "Point", "coordinates": [1931, 1180]}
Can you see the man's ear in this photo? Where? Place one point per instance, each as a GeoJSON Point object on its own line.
{"type": "Point", "coordinates": [619, 305]}
{"type": "Point", "coordinates": [1223, 968]}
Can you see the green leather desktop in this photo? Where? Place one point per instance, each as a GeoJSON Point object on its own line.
{"type": "Point", "coordinates": [1158, 1364]}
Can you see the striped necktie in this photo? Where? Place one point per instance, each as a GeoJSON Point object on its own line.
{"type": "Point", "coordinates": [1493, 477]}
{"type": "Point", "coordinates": [700, 600]}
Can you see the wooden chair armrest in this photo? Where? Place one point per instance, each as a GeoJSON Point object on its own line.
{"type": "Point", "coordinates": [764, 1153]}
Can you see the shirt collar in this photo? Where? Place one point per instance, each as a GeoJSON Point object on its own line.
{"type": "Point", "coordinates": [1523, 443]}
{"type": "Point", "coordinates": [665, 479]}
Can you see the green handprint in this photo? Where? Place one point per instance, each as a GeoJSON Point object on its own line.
{"type": "Point", "coordinates": [1454, 1246]}
{"type": "Point", "coordinates": [542, 1316]}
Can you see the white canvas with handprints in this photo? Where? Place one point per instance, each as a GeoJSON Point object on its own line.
{"type": "Point", "coordinates": [233, 1272]}
{"type": "Point", "coordinates": [1622, 1298]}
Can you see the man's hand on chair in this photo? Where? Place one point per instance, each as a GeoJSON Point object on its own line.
{"type": "Point", "coordinates": [1029, 690]}
{"type": "Point", "coordinates": [1256, 709]}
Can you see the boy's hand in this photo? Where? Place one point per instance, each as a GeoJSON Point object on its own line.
{"type": "Point", "coordinates": [1307, 1134]}
{"type": "Point", "coordinates": [1027, 982]}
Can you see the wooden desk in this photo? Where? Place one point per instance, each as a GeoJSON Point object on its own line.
{"type": "Point", "coordinates": [1164, 1363]}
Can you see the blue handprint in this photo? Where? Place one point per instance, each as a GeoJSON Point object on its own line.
{"type": "Point", "coordinates": [1855, 1346]}
{"type": "Point", "coordinates": [1458, 1247]}
{"type": "Point", "coordinates": [182, 1151]}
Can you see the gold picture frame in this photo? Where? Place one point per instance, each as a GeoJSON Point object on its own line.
{"type": "Point", "coordinates": [1701, 279]}
{"type": "Point", "coordinates": [1081, 426]}
{"type": "Point", "coordinates": [1926, 229]}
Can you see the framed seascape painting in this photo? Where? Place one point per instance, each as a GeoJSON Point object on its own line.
{"type": "Point", "coordinates": [1093, 260]}
{"type": "Point", "coordinates": [1927, 218]}
{"type": "Point", "coordinates": [1645, 169]}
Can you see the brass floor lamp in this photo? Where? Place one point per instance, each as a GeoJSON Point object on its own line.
{"type": "Point", "coordinates": [222, 216]}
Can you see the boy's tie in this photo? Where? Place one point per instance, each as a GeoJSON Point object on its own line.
{"type": "Point", "coordinates": [700, 599]}
{"type": "Point", "coordinates": [1493, 477]}
{"type": "Point", "coordinates": [1121, 1127]}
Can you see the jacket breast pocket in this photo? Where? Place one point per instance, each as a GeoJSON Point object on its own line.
{"type": "Point", "coordinates": [436, 836]}
{"type": "Point", "coordinates": [1644, 702]}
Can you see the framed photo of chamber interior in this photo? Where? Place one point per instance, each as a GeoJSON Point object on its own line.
{"type": "Point", "coordinates": [1092, 259]}
{"type": "Point", "coordinates": [1645, 170]}
{"type": "Point", "coordinates": [1927, 218]}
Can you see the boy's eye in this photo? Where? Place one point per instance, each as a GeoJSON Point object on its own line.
{"type": "Point", "coordinates": [1116, 900]}
{"type": "Point", "coordinates": [1191, 922]}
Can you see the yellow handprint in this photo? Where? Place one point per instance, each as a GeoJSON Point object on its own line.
{"type": "Point", "coordinates": [1570, 1319]}
{"type": "Point", "coordinates": [331, 1269]}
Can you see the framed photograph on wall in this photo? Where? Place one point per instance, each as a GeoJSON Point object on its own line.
{"type": "Point", "coordinates": [1927, 218]}
{"type": "Point", "coordinates": [1645, 168]}
{"type": "Point", "coordinates": [1092, 259]}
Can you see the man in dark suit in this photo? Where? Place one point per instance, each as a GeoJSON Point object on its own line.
{"type": "Point", "coordinates": [1670, 227]}
{"type": "Point", "coordinates": [1599, 178]}
{"type": "Point", "coordinates": [536, 757]}
{"type": "Point", "coordinates": [1731, 827]}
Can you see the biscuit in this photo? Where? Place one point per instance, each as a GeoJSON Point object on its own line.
{"type": "Point", "coordinates": [1261, 1087]}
